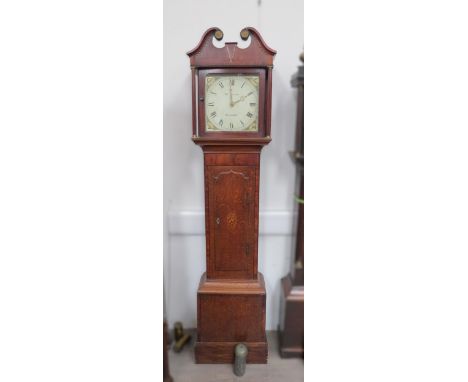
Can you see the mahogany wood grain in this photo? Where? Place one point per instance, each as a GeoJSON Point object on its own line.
{"type": "Point", "coordinates": [194, 103]}
{"type": "Point", "coordinates": [268, 102]}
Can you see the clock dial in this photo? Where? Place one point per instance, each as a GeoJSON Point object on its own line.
{"type": "Point", "coordinates": [231, 103]}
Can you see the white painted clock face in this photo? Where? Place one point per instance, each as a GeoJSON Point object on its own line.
{"type": "Point", "coordinates": [231, 103]}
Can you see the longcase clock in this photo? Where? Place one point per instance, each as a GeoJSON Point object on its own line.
{"type": "Point", "coordinates": [231, 99]}
{"type": "Point", "coordinates": [291, 323]}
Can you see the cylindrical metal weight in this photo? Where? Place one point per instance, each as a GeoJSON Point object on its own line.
{"type": "Point", "coordinates": [178, 331]}
{"type": "Point", "coordinates": [178, 346]}
{"type": "Point", "coordinates": [240, 359]}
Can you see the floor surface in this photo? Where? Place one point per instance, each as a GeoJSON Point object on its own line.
{"type": "Point", "coordinates": [184, 369]}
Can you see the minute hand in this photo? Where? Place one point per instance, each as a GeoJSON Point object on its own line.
{"type": "Point", "coordinates": [230, 95]}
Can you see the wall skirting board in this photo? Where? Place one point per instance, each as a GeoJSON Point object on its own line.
{"type": "Point", "coordinates": [185, 261]}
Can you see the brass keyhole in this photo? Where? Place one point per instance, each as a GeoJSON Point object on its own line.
{"type": "Point", "coordinates": [217, 221]}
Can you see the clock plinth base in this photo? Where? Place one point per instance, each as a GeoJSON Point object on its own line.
{"type": "Point", "coordinates": [223, 352]}
{"type": "Point", "coordinates": [231, 312]}
{"type": "Point", "coordinates": [291, 327]}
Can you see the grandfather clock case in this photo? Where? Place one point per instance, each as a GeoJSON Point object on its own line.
{"type": "Point", "coordinates": [231, 105]}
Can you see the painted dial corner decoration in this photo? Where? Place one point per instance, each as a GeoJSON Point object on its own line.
{"type": "Point", "coordinates": [231, 103]}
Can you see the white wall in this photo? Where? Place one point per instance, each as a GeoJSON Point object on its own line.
{"type": "Point", "coordinates": [281, 25]}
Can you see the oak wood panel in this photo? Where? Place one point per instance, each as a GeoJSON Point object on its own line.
{"type": "Point", "coordinates": [231, 213]}
{"type": "Point", "coordinates": [238, 318]}
{"type": "Point", "coordinates": [236, 286]}
{"type": "Point", "coordinates": [229, 312]}
{"type": "Point", "coordinates": [234, 158]}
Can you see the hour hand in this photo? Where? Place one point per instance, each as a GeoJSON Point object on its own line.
{"type": "Point", "coordinates": [240, 99]}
